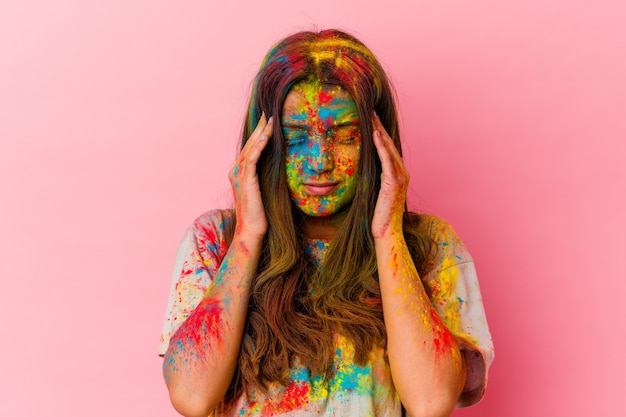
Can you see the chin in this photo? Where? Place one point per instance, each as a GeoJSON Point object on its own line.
{"type": "Point", "coordinates": [325, 212]}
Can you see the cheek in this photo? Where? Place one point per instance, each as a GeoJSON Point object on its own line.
{"type": "Point", "coordinates": [294, 167]}
{"type": "Point", "coordinates": [347, 165]}
{"type": "Point", "coordinates": [298, 159]}
{"type": "Point", "coordinates": [348, 161]}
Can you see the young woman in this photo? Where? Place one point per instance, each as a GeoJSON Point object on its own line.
{"type": "Point", "coordinates": [319, 294]}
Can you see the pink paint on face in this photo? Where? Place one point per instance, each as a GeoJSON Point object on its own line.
{"type": "Point", "coordinates": [320, 124]}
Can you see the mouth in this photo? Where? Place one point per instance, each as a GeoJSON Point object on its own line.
{"type": "Point", "coordinates": [320, 188]}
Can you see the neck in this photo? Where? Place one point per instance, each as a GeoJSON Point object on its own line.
{"type": "Point", "coordinates": [322, 227]}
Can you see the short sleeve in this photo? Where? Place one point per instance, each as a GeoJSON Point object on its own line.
{"type": "Point", "coordinates": [199, 256]}
{"type": "Point", "coordinates": [455, 294]}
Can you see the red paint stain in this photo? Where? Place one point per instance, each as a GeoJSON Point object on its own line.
{"type": "Point", "coordinates": [350, 169]}
{"type": "Point", "coordinates": [325, 97]}
{"type": "Point", "coordinates": [294, 397]}
{"type": "Point", "coordinates": [208, 233]}
{"type": "Point", "coordinates": [443, 339]}
{"type": "Point", "coordinates": [202, 327]}
{"type": "Point", "coordinates": [244, 248]}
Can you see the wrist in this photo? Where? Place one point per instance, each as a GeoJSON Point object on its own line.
{"type": "Point", "coordinates": [389, 236]}
{"type": "Point", "coordinates": [252, 230]}
{"type": "Point", "coordinates": [247, 240]}
{"type": "Point", "coordinates": [391, 229]}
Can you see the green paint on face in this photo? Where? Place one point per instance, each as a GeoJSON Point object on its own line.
{"type": "Point", "coordinates": [323, 141]}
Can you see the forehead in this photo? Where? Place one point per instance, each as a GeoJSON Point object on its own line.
{"type": "Point", "coordinates": [307, 96]}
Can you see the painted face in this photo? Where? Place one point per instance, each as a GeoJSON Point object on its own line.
{"type": "Point", "coordinates": [320, 124]}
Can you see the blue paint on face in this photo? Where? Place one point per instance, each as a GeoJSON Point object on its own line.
{"type": "Point", "coordinates": [320, 124]}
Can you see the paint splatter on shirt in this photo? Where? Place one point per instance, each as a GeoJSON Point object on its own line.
{"type": "Point", "coordinates": [351, 389]}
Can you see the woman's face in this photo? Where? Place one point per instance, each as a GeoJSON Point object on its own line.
{"type": "Point", "coordinates": [320, 124]}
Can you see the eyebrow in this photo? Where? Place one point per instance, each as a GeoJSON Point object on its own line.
{"type": "Point", "coordinates": [305, 126]}
{"type": "Point", "coordinates": [294, 126]}
{"type": "Point", "coordinates": [353, 122]}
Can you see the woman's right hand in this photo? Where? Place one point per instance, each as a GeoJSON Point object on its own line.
{"type": "Point", "coordinates": [251, 220]}
{"type": "Point", "coordinates": [202, 355]}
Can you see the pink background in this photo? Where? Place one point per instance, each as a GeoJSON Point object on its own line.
{"type": "Point", "coordinates": [119, 122]}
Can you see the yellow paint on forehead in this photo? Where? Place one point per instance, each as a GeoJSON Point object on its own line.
{"type": "Point", "coordinates": [310, 91]}
{"type": "Point", "coordinates": [307, 89]}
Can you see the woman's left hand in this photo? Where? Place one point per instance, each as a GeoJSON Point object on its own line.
{"type": "Point", "coordinates": [394, 183]}
{"type": "Point", "coordinates": [427, 377]}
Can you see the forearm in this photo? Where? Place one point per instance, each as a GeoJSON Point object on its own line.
{"type": "Point", "coordinates": [427, 367]}
{"type": "Point", "coordinates": [202, 355]}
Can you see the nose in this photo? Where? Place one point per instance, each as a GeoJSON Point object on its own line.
{"type": "Point", "coordinates": [321, 156]}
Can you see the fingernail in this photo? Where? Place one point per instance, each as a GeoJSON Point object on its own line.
{"type": "Point", "coordinates": [264, 137]}
{"type": "Point", "coordinates": [269, 122]}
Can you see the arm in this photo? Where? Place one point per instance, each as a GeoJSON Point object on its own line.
{"type": "Point", "coordinates": [202, 355]}
{"type": "Point", "coordinates": [426, 365]}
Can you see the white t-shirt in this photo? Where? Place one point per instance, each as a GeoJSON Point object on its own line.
{"type": "Point", "coordinates": [352, 390]}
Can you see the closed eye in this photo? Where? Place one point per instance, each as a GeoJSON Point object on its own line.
{"type": "Point", "coordinates": [345, 135]}
{"type": "Point", "coordinates": [296, 141]}
{"type": "Point", "coordinates": [295, 137]}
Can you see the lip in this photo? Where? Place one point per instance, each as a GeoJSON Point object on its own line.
{"type": "Point", "coordinates": [321, 188]}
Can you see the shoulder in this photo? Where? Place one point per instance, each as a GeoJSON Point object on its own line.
{"type": "Point", "coordinates": [434, 226]}
{"type": "Point", "coordinates": [213, 224]}
{"type": "Point", "coordinates": [450, 248]}
{"type": "Point", "coordinates": [209, 235]}
{"type": "Point", "coordinates": [212, 218]}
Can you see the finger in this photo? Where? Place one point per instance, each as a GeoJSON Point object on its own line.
{"type": "Point", "coordinates": [392, 150]}
{"type": "Point", "coordinates": [259, 126]}
{"type": "Point", "coordinates": [252, 139]}
{"type": "Point", "coordinates": [240, 166]}
{"type": "Point", "coordinates": [384, 146]}
{"type": "Point", "coordinates": [386, 160]}
{"type": "Point", "coordinates": [256, 133]}
{"type": "Point", "coordinates": [256, 148]}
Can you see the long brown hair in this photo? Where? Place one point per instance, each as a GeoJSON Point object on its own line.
{"type": "Point", "coordinates": [285, 318]}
